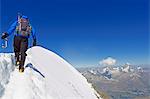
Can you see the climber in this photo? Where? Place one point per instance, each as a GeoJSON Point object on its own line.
{"type": "Point", "coordinates": [23, 30]}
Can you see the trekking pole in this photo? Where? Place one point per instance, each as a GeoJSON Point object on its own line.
{"type": "Point", "coordinates": [19, 16]}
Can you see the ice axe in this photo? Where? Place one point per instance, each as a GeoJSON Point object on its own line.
{"type": "Point", "coordinates": [4, 42]}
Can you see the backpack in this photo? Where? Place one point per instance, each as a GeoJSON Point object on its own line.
{"type": "Point", "coordinates": [23, 27]}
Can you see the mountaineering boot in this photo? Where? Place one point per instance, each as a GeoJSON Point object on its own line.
{"type": "Point", "coordinates": [21, 69]}
{"type": "Point", "coordinates": [17, 63]}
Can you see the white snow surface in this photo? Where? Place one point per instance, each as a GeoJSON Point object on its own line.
{"type": "Point", "coordinates": [61, 81]}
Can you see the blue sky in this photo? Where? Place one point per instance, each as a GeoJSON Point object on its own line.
{"type": "Point", "coordinates": [85, 31]}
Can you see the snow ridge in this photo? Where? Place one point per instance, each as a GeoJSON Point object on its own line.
{"type": "Point", "coordinates": [49, 77]}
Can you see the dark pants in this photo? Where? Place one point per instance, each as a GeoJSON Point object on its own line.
{"type": "Point", "coordinates": [20, 48]}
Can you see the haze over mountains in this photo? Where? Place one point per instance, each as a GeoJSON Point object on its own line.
{"type": "Point", "coordinates": [120, 82]}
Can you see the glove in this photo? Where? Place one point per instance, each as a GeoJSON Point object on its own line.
{"type": "Point", "coordinates": [4, 35]}
{"type": "Point", "coordinates": [34, 42]}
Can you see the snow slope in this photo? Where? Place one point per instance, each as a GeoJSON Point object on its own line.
{"type": "Point", "coordinates": [49, 77]}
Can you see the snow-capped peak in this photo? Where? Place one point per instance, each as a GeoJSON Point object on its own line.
{"type": "Point", "coordinates": [126, 68]}
{"type": "Point", "coordinates": [107, 73]}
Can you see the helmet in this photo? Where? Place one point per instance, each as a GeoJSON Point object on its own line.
{"type": "Point", "coordinates": [24, 17]}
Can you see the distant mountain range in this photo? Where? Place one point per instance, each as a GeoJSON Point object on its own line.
{"type": "Point", "coordinates": [120, 82]}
